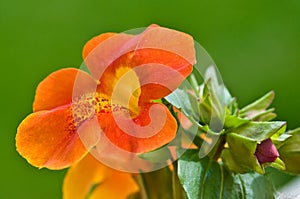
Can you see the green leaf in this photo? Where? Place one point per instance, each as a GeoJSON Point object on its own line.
{"type": "Point", "coordinates": [199, 177]}
{"type": "Point", "coordinates": [239, 157]}
{"type": "Point", "coordinates": [228, 99]}
{"type": "Point", "coordinates": [184, 101]}
{"type": "Point", "coordinates": [205, 105]}
{"type": "Point", "coordinates": [232, 108]}
{"type": "Point", "coordinates": [194, 84]}
{"type": "Point", "coordinates": [290, 151]}
{"type": "Point", "coordinates": [203, 178]}
{"type": "Point", "coordinates": [177, 97]}
{"type": "Point", "coordinates": [216, 87]}
{"type": "Point", "coordinates": [213, 99]}
{"type": "Point", "coordinates": [178, 191]}
{"type": "Point", "coordinates": [234, 122]}
{"type": "Point", "coordinates": [254, 186]}
{"type": "Point", "coordinates": [265, 116]}
{"type": "Point", "coordinates": [216, 97]}
{"type": "Point", "coordinates": [258, 107]}
{"type": "Point", "coordinates": [260, 131]}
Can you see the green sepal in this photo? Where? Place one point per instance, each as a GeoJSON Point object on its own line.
{"type": "Point", "coordinates": [239, 157]}
{"type": "Point", "coordinates": [277, 164]}
{"type": "Point", "coordinates": [279, 137]}
{"type": "Point", "coordinates": [258, 107]}
{"type": "Point", "coordinates": [289, 151]}
{"type": "Point", "coordinates": [278, 141]}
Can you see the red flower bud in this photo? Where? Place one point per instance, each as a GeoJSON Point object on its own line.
{"type": "Point", "coordinates": [266, 152]}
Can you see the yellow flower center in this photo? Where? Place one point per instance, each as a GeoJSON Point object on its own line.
{"type": "Point", "coordinates": [86, 106]}
{"type": "Point", "coordinates": [125, 92]}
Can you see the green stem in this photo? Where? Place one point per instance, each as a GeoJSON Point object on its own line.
{"type": "Point", "coordinates": [217, 151]}
{"type": "Point", "coordinates": [178, 191]}
{"type": "Point", "coordinates": [156, 184]}
{"type": "Point", "coordinates": [141, 183]}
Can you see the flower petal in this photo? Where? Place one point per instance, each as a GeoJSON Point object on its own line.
{"type": "Point", "coordinates": [266, 151]}
{"type": "Point", "coordinates": [90, 173]}
{"type": "Point", "coordinates": [119, 185]}
{"type": "Point", "coordinates": [50, 139]}
{"type": "Point", "coordinates": [161, 57]}
{"type": "Point", "coordinates": [151, 129]}
{"type": "Point", "coordinates": [102, 50]}
{"type": "Point", "coordinates": [160, 72]}
{"type": "Point", "coordinates": [94, 42]}
{"type": "Point", "coordinates": [176, 42]}
{"type": "Point", "coordinates": [57, 89]}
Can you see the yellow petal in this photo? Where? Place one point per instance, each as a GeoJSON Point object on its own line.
{"type": "Point", "coordinates": [91, 178]}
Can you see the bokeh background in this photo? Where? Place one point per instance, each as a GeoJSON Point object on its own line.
{"type": "Point", "coordinates": [255, 44]}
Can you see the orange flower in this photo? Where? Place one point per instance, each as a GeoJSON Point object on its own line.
{"type": "Point", "coordinates": [73, 110]}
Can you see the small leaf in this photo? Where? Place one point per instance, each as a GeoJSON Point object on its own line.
{"type": "Point", "coordinates": [184, 101]}
{"type": "Point", "coordinates": [216, 95]}
{"type": "Point", "coordinates": [228, 99]}
{"type": "Point", "coordinates": [279, 140]}
{"type": "Point", "coordinates": [234, 122]}
{"type": "Point", "coordinates": [194, 84]}
{"type": "Point", "coordinates": [212, 105]}
{"type": "Point", "coordinates": [232, 108]}
{"type": "Point", "coordinates": [258, 107]}
{"type": "Point", "coordinates": [290, 151]}
{"type": "Point", "coordinates": [217, 87]}
{"type": "Point", "coordinates": [175, 98]}
{"type": "Point", "coordinates": [260, 131]}
{"type": "Point", "coordinates": [265, 116]}
{"type": "Point", "coordinates": [205, 105]}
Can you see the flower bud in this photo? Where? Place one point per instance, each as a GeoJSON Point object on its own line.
{"type": "Point", "coordinates": [266, 151]}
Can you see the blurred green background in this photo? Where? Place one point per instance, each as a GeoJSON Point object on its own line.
{"type": "Point", "coordinates": [256, 45]}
